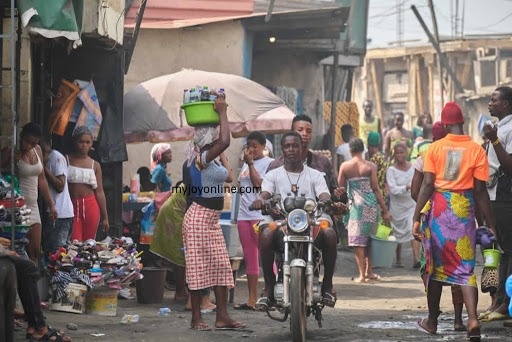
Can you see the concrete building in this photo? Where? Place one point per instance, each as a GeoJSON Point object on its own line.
{"type": "Point", "coordinates": [240, 44]}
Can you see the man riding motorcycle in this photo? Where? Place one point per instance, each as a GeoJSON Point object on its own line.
{"type": "Point", "coordinates": [298, 179]}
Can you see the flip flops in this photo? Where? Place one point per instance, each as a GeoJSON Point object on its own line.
{"type": "Point", "coordinates": [235, 326]}
{"type": "Point", "coordinates": [373, 277]}
{"type": "Point", "coordinates": [495, 316]}
{"type": "Point", "coordinates": [422, 326]}
{"type": "Point", "coordinates": [200, 326]}
{"type": "Point", "coordinates": [484, 314]}
{"type": "Point", "coordinates": [263, 304]}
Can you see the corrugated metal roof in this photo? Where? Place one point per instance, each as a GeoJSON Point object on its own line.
{"type": "Point", "coordinates": [289, 5]}
{"type": "Point", "coordinates": [162, 13]}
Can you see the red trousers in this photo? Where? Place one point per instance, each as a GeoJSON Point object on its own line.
{"type": "Point", "coordinates": [87, 218]}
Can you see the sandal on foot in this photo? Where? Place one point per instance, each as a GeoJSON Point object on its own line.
{"type": "Point", "coordinates": [460, 328]}
{"type": "Point", "coordinates": [243, 306]}
{"type": "Point", "coordinates": [484, 314]}
{"type": "Point", "coordinates": [201, 326]}
{"type": "Point", "coordinates": [373, 277]}
{"type": "Point", "coordinates": [329, 298]}
{"type": "Point", "coordinates": [235, 326]}
{"type": "Point", "coordinates": [495, 316]}
{"type": "Point", "coordinates": [474, 335]}
{"type": "Point", "coordinates": [423, 327]}
{"type": "Point", "coordinates": [49, 335]}
{"type": "Point", "coordinates": [263, 304]}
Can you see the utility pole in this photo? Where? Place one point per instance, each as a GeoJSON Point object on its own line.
{"type": "Point", "coordinates": [436, 35]}
{"type": "Point", "coordinates": [400, 22]}
{"type": "Point", "coordinates": [444, 61]}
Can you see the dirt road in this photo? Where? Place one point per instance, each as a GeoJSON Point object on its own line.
{"type": "Point", "coordinates": [385, 310]}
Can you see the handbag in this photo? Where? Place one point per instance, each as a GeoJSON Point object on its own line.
{"type": "Point", "coordinates": [490, 280]}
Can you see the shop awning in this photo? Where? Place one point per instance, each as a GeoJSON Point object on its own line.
{"type": "Point", "coordinates": [52, 19]}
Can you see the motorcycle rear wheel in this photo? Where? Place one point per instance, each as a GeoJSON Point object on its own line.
{"type": "Point", "coordinates": [298, 304]}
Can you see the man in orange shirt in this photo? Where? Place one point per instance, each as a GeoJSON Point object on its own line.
{"type": "Point", "coordinates": [455, 172]}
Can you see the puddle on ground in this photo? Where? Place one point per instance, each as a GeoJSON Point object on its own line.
{"type": "Point", "coordinates": [445, 330]}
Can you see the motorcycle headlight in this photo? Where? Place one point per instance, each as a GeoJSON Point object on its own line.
{"type": "Point", "coordinates": [298, 220]}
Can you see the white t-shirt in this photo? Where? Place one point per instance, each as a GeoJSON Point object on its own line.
{"type": "Point", "coordinates": [58, 166]}
{"type": "Point", "coordinates": [418, 164]}
{"type": "Point", "coordinates": [310, 182]}
{"type": "Point", "coordinates": [505, 136]}
{"type": "Point", "coordinates": [344, 151]}
{"type": "Point", "coordinates": [248, 193]}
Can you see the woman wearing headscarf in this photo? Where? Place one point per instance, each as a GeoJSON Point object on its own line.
{"type": "Point", "coordinates": [438, 132]}
{"type": "Point", "coordinates": [206, 256]}
{"type": "Point", "coordinates": [161, 154]}
{"type": "Point", "coordinates": [455, 171]}
{"type": "Point", "coordinates": [86, 188]}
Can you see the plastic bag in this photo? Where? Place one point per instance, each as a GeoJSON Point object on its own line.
{"type": "Point", "coordinates": [148, 223]}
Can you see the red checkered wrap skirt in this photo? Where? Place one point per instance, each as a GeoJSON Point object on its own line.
{"type": "Point", "coordinates": [206, 256]}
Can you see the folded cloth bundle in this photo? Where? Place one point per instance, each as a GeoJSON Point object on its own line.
{"type": "Point", "coordinates": [485, 238]}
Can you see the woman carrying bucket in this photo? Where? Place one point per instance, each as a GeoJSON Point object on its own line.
{"type": "Point", "coordinates": [455, 171]}
{"type": "Point", "coordinates": [206, 257]}
{"type": "Point", "coordinates": [360, 177]}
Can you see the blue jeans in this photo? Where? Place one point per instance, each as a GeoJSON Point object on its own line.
{"type": "Point", "coordinates": [56, 233]}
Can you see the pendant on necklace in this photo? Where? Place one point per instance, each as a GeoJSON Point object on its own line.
{"type": "Point", "coordinates": [295, 189]}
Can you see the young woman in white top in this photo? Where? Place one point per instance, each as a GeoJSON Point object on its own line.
{"type": "Point", "coordinates": [29, 170]}
{"type": "Point", "coordinates": [86, 188]}
{"type": "Point", "coordinates": [250, 179]}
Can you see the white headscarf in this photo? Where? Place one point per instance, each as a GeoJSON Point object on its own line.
{"type": "Point", "coordinates": [156, 153]}
{"type": "Point", "coordinates": [203, 136]}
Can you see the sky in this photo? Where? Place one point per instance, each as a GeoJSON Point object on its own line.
{"type": "Point", "coordinates": [480, 17]}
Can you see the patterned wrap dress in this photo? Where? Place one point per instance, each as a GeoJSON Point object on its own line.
{"type": "Point", "coordinates": [364, 211]}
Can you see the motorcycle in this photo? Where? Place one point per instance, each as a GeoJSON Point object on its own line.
{"type": "Point", "coordinates": [297, 291]}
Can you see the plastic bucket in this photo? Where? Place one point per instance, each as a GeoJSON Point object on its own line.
{"type": "Point", "coordinates": [150, 289]}
{"type": "Point", "coordinates": [382, 252]}
{"type": "Point", "coordinates": [201, 113]}
{"type": "Point", "coordinates": [230, 232]}
{"type": "Point", "coordinates": [101, 302]}
{"type": "Point", "coordinates": [73, 300]}
{"type": "Point", "coordinates": [383, 232]}
{"type": "Point", "coordinates": [491, 258]}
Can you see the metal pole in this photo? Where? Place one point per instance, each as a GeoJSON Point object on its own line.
{"type": "Point", "coordinates": [436, 35]}
{"type": "Point", "coordinates": [269, 10]}
{"type": "Point", "coordinates": [444, 61]}
{"type": "Point", "coordinates": [14, 121]}
{"type": "Point", "coordinates": [334, 100]}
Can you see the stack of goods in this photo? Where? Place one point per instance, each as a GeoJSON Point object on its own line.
{"type": "Point", "coordinates": [200, 94]}
{"type": "Point", "coordinates": [198, 106]}
{"type": "Point", "coordinates": [110, 264]}
{"type": "Point", "coordinates": [20, 214]}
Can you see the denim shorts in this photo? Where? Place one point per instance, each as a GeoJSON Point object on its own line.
{"type": "Point", "coordinates": [56, 233]}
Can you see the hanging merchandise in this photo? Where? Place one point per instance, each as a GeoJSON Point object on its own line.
{"type": "Point", "coordinates": [86, 111]}
{"type": "Point", "coordinates": [148, 223]}
{"type": "Point", "coordinates": [62, 106]}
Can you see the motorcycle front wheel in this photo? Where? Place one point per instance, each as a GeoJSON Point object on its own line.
{"type": "Point", "coordinates": [298, 304]}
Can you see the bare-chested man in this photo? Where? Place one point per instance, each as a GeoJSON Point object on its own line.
{"type": "Point", "coordinates": [397, 134]}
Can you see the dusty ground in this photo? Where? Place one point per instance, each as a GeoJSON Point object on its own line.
{"type": "Point", "coordinates": [378, 311]}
